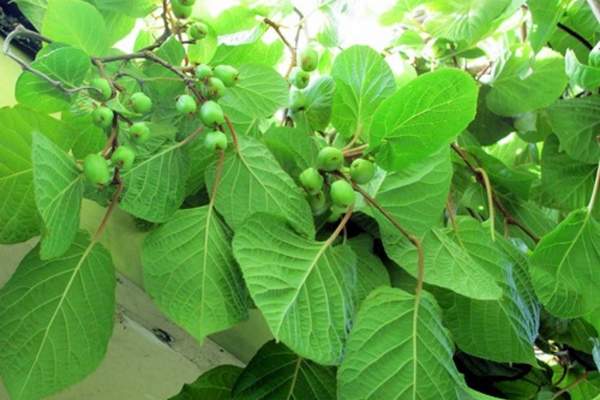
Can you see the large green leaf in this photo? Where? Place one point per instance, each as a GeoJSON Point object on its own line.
{"type": "Point", "coordinates": [250, 53]}
{"type": "Point", "coordinates": [294, 150]}
{"type": "Point", "coordinates": [545, 14]}
{"type": "Point", "coordinates": [58, 189]}
{"type": "Point", "coordinates": [190, 272]}
{"type": "Point", "coordinates": [370, 271]}
{"type": "Point", "coordinates": [155, 187]}
{"type": "Point", "coordinates": [464, 20]}
{"type": "Point", "coordinates": [414, 196]}
{"type": "Point", "coordinates": [398, 349]}
{"type": "Point", "coordinates": [564, 266]}
{"type": "Point", "coordinates": [448, 265]}
{"type": "Point", "coordinates": [132, 8]}
{"type": "Point", "coordinates": [34, 10]}
{"type": "Point", "coordinates": [62, 63]}
{"type": "Point", "coordinates": [319, 102]}
{"type": "Point", "coordinates": [276, 373]}
{"type": "Point", "coordinates": [259, 92]}
{"type": "Point", "coordinates": [517, 90]}
{"type": "Point", "coordinates": [585, 76]}
{"type": "Point", "coordinates": [422, 117]}
{"type": "Point", "coordinates": [566, 183]}
{"type": "Point", "coordinates": [214, 384]}
{"type": "Point", "coordinates": [488, 127]}
{"type": "Point", "coordinates": [363, 80]}
{"type": "Point", "coordinates": [19, 219]}
{"type": "Point", "coordinates": [500, 330]}
{"type": "Point", "coordinates": [304, 288]}
{"type": "Point", "coordinates": [76, 23]}
{"type": "Point", "coordinates": [576, 122]}
{"type": "Point", "coordinates": [252, 181]}
{"type": "Point", "coordinates": [56, 317]}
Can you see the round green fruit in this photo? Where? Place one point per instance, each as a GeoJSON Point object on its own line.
{"type": "Point", "coordinates": [211, 114]}
{"type": "Point", "coordinates": [311, 180]}
{"type": "Point", "coordinates": [123, 157]}
{"type": "Point", "coordinates": [309, 59]}
{"type": "Point", "coordinates": [318, 203]}
{"type": "Point", "coordinates": [214, 88]}
{"type": "Point", "coordinates": [342, 194]}
{"type": "Point", "coordinates": [330, 158]}
{"type": "Point", "coordinates": [362, 171]}
{"type": "Point", "coordinates": [140, 103]}
{"type": "Point", "coordinates": [180, 10]}
{"type": "Point", "coordinates": [103, 117]}
{"type": "Point", "coordinates": [188, 3]}
{"type": "Point", "coordinates": [139, 132]}
{"type": "Point", "coordinates": [297, 100]}
{"type": "Point", "coordinates": [95, 169]}
{"type": "Point", "coordinates": [198, 30]}
{"type": "Point", "coordinates": [186, 104]}
{"type": "Point", "coordinates": [228, 74]}
{"type": "Point", "coordinates": [103, 90]}
{"type": "Point", "coordinates": [203, 71]}
{"type": "Point", "coordinates": [215, 140]}
{"type": "Point", "coordinates": [300, 78]}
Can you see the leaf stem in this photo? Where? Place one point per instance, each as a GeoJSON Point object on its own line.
{"type": "Point", "coordinates": [111, 207]}
{"type": "Point", "coordinates": [234, 137]}
{"type": "Point", "coordinates": [218, 173]}
{"type": "Point", "coordinates": [595, 190]}
{"type": "Point", "coordinates": [490, 198]}
{"type": "Point", "coordinates": [575, 35]}
{"type": "Point", "coordinates": [277, 28]}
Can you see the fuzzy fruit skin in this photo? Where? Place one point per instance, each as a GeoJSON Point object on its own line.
{"type": "Point", "coordinates": [311, 180]}
{"type": "Point", "coordinates": [186, 104]}
{"type": "Point", "coordinates": [300, 78]}
{"type": "Point", "coordinates": [297, 100]}
{"type": "Point", "coordinates": [215, 140]}
{"type": "Point", "coordinates": [180, 10]}
{"type": "Point", "coordinates": [124, 156]}
{"type": "Point", "coordinates": [342, 194]}
{"type": "Point", "coordinates": [203, 71]}
{"type": "Point", "coordinates": [188, 3]}
{"type": "Point", "coordinates": [318, 203]}
{"type": "Point", "coordinates": [211, 114]}
{"type": "Point", "coordinates": [330, 158]}
{"type": "Point", "coordinates": [309, 59]}
{"type": "Point", "coordinates": [140, 103]}
{"type": "Point", "coordinates": [103, 117]}
{"type": "Point", "coordinates": [103, 86]}
{"type": "Point", "coordinates": [95, 169]}
{"type": "Point", "coordinates": [214, 88]}
{"type": "Point", "coordinates": [228, 74]}
{"type": "Point", "coordinates": [140, 133]}
{"type": "Point", "coordinates": [362, 171]}
{"type": "Point", "coordinates": [198, 30]}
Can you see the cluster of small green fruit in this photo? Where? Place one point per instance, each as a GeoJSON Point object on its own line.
{"type": "Point", "coordinates": [300, 77]}
{"type": "Point", "coordinates": [340, 194]}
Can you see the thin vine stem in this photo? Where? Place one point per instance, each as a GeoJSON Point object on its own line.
{"type": "Point", "coordinates": [111, 207]}
{"type": "Point", "coordinates": [234, 137]}
{"type": "Point", "coordinates": [218, 174]}
{"type": "Point", "coordinates": [575, 35]}
{"type": "Point", "coordinates": [490, 198]}
{"type": "Point", "coordinates": [595, 191]}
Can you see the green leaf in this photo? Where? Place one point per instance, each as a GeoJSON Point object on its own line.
{"type": "Point", "coordinates": [564, 272]}
{"type": "Point", "coordinates": [118, 26]}
{"type": "Point", "coordinates": [203, 50]}
{"type": "Point", "coordinates": [545, 14]}
{"type": "Point", "coordinates": [447, 265]}
{"type": "Point", "coordinates": [131, 8]}
{"type": "Point", "coordinates": [398, 349]}
{"type": "Point", "coordinates": [585, 76]}
{"type": "Point", "coordinates": [319, 102]}
{"type": "Point", "coordinates": [57, 319]}
{"type": "Point", "coordinates": [214, 384]}
{"type": "Point", "coordinates": [19, 219]}
{"type": "Point", "coordinates": [566, 184]}
{"type": "Point", "coordinates": [576, 122]}
{"type": "Point", "coordinates": [464, 20]}
{"type": "Point", "coordinates": [250, 53]}
{"type": "Point", "coordinates": [304, 288]}
{"type": "Point", "coordinates": [34, 10]}
{"type": "Point", "coordinates": [65, 64]}
{"type": "Point", "coordinates": [252, 181]}
{"type": "Point", "coordinates": [499, 330]}
{"type": "Point", "coordinates": [396, 13]}
{"type": "Point", "coordinates": [370, 271]}
{"type": "Point", "coordinates": [155, 186]}
{"type": "Point", "coordinates": [422, 117]}
{"type": "Point", "coordinates": [363, 80]}
{"type": "Point", "coordinates": [259, 92]}
{"type": "Point", "coordinates": [294, 150]}
{"type": "Point", "coordinates": [543, 83]}
{"type": "Point", "coordinates": [276, 373]}
{"type": "Point", "coordinates": [415, 196]}
{"type": "Point", "coordinates": [236, 19]}
{"type": "Point", "coordinates": [190, 273]}
{"type": "Point", "coordinates": [58, 188]}
{"type": "Point", "coordinates": [488, 127]}
{"type": "Point", "coordinates": [76, 23]}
